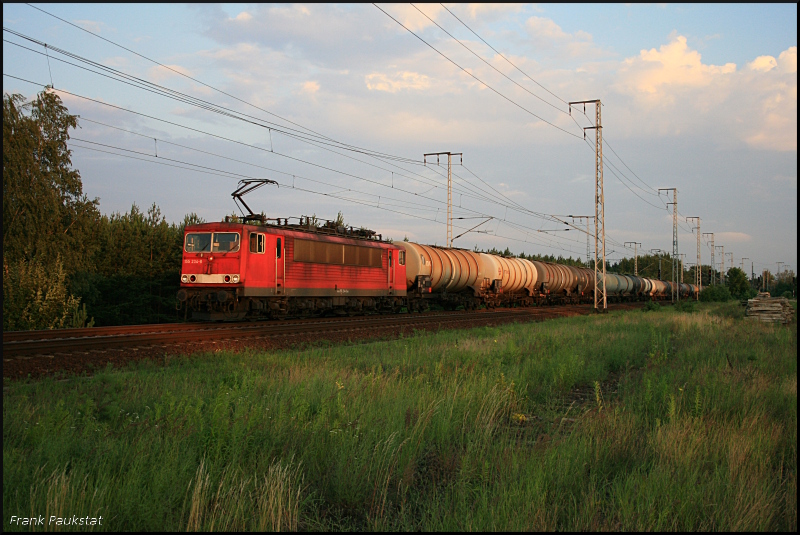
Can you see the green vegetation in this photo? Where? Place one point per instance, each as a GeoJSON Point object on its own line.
{"type": "Point", "coordinates": [626, 421]}
{"type": "Point", "coordinates": [652, 306]}
{"type": "Point", "coordinates": [737, 283]}
{"type": "Point", "coordinates": [716, 293]}
{"type": "Point", "coordinates": [65, 265]}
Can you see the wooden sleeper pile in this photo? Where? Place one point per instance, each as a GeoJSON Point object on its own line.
{"type": "Point", "coordinates": [769, 309]}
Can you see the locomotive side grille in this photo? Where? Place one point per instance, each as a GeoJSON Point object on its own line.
{"type": "Point", "coordinates": [336, 253]}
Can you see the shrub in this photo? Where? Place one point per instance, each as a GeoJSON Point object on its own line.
{"type": "Point", "coordinates": [652, 306]}
{"type": "Point", "coordinates": [686, 305]}
{"type": "Point", "coordinates": [35, 297]}
{"type": "Point", "coordinates": [715, 293]}
{"type": "Point", "coordinates": [787, 294]}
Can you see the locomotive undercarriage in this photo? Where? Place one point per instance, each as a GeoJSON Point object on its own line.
{"type": "Point", "coordinates": [225, 305]}
{"type": "Point", "coordinates": [210, 305]}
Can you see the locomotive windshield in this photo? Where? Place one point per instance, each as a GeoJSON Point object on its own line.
{"type": "Point", "coordinates": [218, 242]}
{"type": "Point", "coordinates": [198, 243]}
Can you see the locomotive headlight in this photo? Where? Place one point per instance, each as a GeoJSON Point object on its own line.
{"type": "Point", "coordinates": [227, 278]}
{"type": "Point", "coordinates": [192, 278]}
{"type": "Point", "coordinates": [236, 278]}
{"type": "Point", "coordinates": [184, 278]}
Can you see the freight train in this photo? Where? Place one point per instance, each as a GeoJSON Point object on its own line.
{"type": "Point", "coordinates": [234, 270]}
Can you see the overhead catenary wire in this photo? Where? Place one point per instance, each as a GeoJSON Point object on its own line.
{"type": "Point", "coordinates": [491, 88]}
{"type": "Point", "coordinates": [336, 195]}
{"type": "Point", "coordinates": [205, 105]}
{"type": "Point", "coordinates": [187, 76]}
{"type": "Point", "coordinates": [239, 175]}
{"type": "Point", "coordinates": [135, 81]}
{"type": "Point", "coordinates": [501, 55]}
{"type": "Point", "coordinates": [651, 189]}
{"type": "Point", "coordinates": [487, 63]}
{"type": "Point", "coordinates": [372, 154]}
{"type": "Point", "coordinates": [222, 137]}
{"type": "Point", "coordinates": [312, 141]}
{"type": "Point", "coordinates": [520, 106]}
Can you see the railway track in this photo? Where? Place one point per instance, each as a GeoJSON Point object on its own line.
{"type": "Point", "coordinates": [42, 352]}
{"type": "Point", "coordinates": [71, 340]}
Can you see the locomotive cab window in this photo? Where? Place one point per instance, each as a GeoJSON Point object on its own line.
{"type": "Point", "coordinates": [278, 249]}
{"type": "Point", "coordinates": [401, 258]}
{"type": "Point", "coordinates": [198, 242]}
{"type": "Point", "coordinates": [257, 243]}
{"type": "Point", "coordinates": [225, 242]}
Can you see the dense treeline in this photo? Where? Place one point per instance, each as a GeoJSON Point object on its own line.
{"type": "Point", "coordinates": [65, 264]}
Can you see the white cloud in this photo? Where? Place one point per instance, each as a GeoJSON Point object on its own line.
{"type": "Point", "coordinates": [486, 9]}
{"type": "Point", "coordinates": [735, 237]}
{"type": "Point", "coordinates": [654, 72]}
{"type": "Point", "coordinates": [159, 73]}
{"type": "Point", "coordinates": [676, 93]}
{"type": "Point", "coordinates": [543, 28]}
{"type": "Point", "coordinates": [545, 34]}
{"type": "Point", "coordinates": [763, 63]}
{"type": "Point", "coordinates": [413, 19]}
{"type": "Point", "coordinates": [310, 87]}
{"type": "Point", "coordinates": [91, 25]}
{"type": "Point", "coordinates": [396, 82]}
{"type": "Point", "coordinates": [787, 61]}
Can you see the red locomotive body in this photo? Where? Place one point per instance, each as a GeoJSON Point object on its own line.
{"type": "Point", "coordinates": [233, 270]}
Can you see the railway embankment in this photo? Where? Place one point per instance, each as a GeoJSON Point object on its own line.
{"type": "Point", "coordinates": [638, 420]}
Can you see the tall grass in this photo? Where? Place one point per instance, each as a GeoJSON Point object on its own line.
{"type": "Point", "coordinates": [662, 420]}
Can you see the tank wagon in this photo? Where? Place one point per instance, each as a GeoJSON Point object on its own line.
{"type": "Point", "coordinates": [233, 270]}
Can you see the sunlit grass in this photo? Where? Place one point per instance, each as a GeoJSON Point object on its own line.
{"type": "Point", "coordinates": [629, 421]}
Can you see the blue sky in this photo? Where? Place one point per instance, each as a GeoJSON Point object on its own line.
{"type": "Point", "coordinates": [699, 97]}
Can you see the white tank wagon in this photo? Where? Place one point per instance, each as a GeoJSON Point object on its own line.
{"type": "Point", "coordinates": [460, 277]}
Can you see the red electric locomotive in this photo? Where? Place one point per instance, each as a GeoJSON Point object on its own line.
{"type": "Point", "coordinates": [235, 270]}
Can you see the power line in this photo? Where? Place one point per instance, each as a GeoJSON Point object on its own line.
{"type": "Point", "coordinates": [155, 88]}
{"type": "Point", "coordinates": [502, 56]}
{"type": "Point", "coordinates": [137, 82]}
{"type": "Point", "coordinates": [526, 110]}
{"type": "Point", "coordinates": [143, 84]}
{"type": "Point", "coordinates": [237, 175]}
{"type": "Point", "coordinates": [198, 81]}
{"type": "Point", "coordinates": [336, 195]}
{"type": "Point", "coordinates": [164, 91]}
{"type": "Point", "coordinates": [486, 62]}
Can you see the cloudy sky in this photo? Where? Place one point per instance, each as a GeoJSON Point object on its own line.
{"type": "Point", "coordinates": [338, 103]}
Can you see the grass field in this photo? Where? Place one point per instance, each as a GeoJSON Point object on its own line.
{"type": "Point", "coordinates": [659, 420]}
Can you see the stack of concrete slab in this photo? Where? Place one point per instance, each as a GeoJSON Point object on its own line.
{"type": "Point", "coordinates": [769, 309]}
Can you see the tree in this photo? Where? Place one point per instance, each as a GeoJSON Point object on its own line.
{"type": "Point", "coordinates": [49, 225]}
{"type": "Point", "coordinates": [737, 282]}
{"type": "Point", "coordinates": [45, 213]}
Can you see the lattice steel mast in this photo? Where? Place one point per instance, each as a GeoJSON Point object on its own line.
{"type": "Point", "coordinates": [698, 271]}
{"type": "Point", "coordinates": [713, 266]}
{"type": "Point", "coordinates": [599, 205]}
{"type": "Point", "coordinates": [676, 294]}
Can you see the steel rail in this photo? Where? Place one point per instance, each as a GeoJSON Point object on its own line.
{"type": "Point", "coordinates": [38, 343]}
{"type": "Point", "coordinates": [60, 334]}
